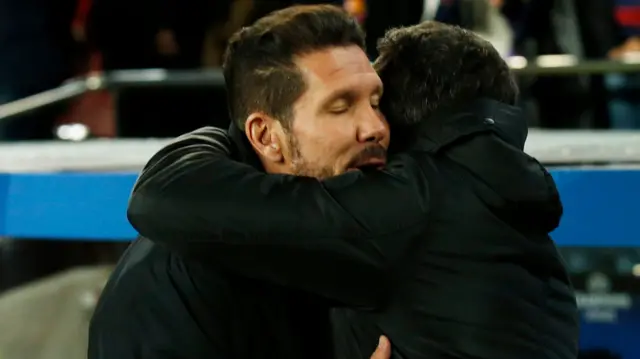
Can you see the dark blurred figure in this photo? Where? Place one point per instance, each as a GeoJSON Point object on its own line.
{"type": "Point", "coordinates": [598, 354]}
{"type": "Point", "coordinates": [152, 33]}
{"type": "Point", "coordinates": [469, 14]}
{"type": "Point", "coordinates": [382, 15]}
{"type": "Point", "coordinates": [261, 8]}
{"type": "Point", "coordinates": [614, 31]}
{"type": "Point", "coordinates": [36, 49]}
{"type": "Point", "coordinates": [26, 260]}
{"type": "Point", "coordinates": [552, 27]}
{"type": "Point", "coordinates": [611, 28]}
{"type": "Point", "coordinates": [167, 34]}
{"type": "Point", "coordinates": [483, 17]}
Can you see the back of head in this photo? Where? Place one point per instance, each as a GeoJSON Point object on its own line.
{"type": "Point", "coordinates": [433, 66]}
{"type": "Point", "coordinates": [259, 67]}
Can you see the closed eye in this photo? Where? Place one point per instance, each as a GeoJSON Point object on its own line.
{"type": "Point", "coordinates": [338, 111]}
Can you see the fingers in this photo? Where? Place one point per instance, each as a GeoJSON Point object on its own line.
{"type": "Point", "coordinates": [383, 351]}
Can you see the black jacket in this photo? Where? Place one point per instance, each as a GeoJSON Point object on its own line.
{"type": "Point", "coordinates": [446, 251]}
{"type": "Point", "coordinates": [158, 305]}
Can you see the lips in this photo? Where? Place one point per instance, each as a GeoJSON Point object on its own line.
{"type": "Point", "coordinates": [376, 163]}
{"type": "Point", "coordinates": [373, 156]}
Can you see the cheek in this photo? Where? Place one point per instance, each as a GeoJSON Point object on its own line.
{"type": "Point", "coordinates": [326, 141]}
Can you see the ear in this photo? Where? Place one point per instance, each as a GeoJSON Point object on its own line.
{"type": "Point", "coordinates": [265, 135]}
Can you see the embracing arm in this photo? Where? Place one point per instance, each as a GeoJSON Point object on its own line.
{"type": "Point", "coordinates": [335, 237]}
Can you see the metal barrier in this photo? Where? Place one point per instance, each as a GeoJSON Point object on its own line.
{"type": "Point", "coordinates": [547, 65]}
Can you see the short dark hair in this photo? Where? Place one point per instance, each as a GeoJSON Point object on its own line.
{"type": "Point", "coordinates": [431, 66]}
{"type": "Point", "coordinates": [259, 67]}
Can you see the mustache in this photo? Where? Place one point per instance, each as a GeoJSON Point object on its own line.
{"type": "Point", "coordinates": [369, 152]}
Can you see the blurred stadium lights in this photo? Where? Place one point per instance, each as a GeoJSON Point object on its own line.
{"type": "Point", "coordinates": [517, 62]}
{"type": "Point", "coordinates": [72, 132]}
{"type": "Point", "coordinates": [550, 61]}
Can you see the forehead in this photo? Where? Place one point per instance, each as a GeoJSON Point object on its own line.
{"type": "Point", "coordinates": [338, 68]}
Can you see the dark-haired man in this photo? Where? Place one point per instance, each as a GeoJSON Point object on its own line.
{"type": "Point", "coordinates": [446, 250]}
{"type": "Point", "coordinates": [306, 95]}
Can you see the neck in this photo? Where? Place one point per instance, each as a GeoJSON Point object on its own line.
{"type": "Point", "coordinates": [275, 168]}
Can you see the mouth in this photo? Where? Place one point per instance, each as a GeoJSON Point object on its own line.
{"type": "Point", "coordinates": [371, 163]}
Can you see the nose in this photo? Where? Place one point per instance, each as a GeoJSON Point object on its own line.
{"type": "Point", "coordinates": [373, 127]}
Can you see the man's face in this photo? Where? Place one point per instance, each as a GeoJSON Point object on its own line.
{"type": "Point", "coordinates": [337, 125]}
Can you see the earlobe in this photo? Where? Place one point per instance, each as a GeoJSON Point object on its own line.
{"type": "Point", "coordinates": [273, 151]}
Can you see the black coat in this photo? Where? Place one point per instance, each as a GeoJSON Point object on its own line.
{"type": "Point", "coordinates": [447, 251]}
{"type": "Point", "coordinates": [158, 305]}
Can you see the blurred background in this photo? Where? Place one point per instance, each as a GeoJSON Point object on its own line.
{"type": "Point", "coordinates": [88, 89]}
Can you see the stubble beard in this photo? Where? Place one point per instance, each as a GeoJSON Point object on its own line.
{"type": "Point", "coordinates": [301, 167]}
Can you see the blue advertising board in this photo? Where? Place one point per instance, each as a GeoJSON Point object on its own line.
{"type": "Point", "coordinates": [601, 206]}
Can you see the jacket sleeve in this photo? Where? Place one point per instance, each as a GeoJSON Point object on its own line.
{"type": "Point", "coordinates": [337, 238]}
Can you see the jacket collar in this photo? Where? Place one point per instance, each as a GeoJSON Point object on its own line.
{"type": "Point", "coordinates": [482, 115]}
